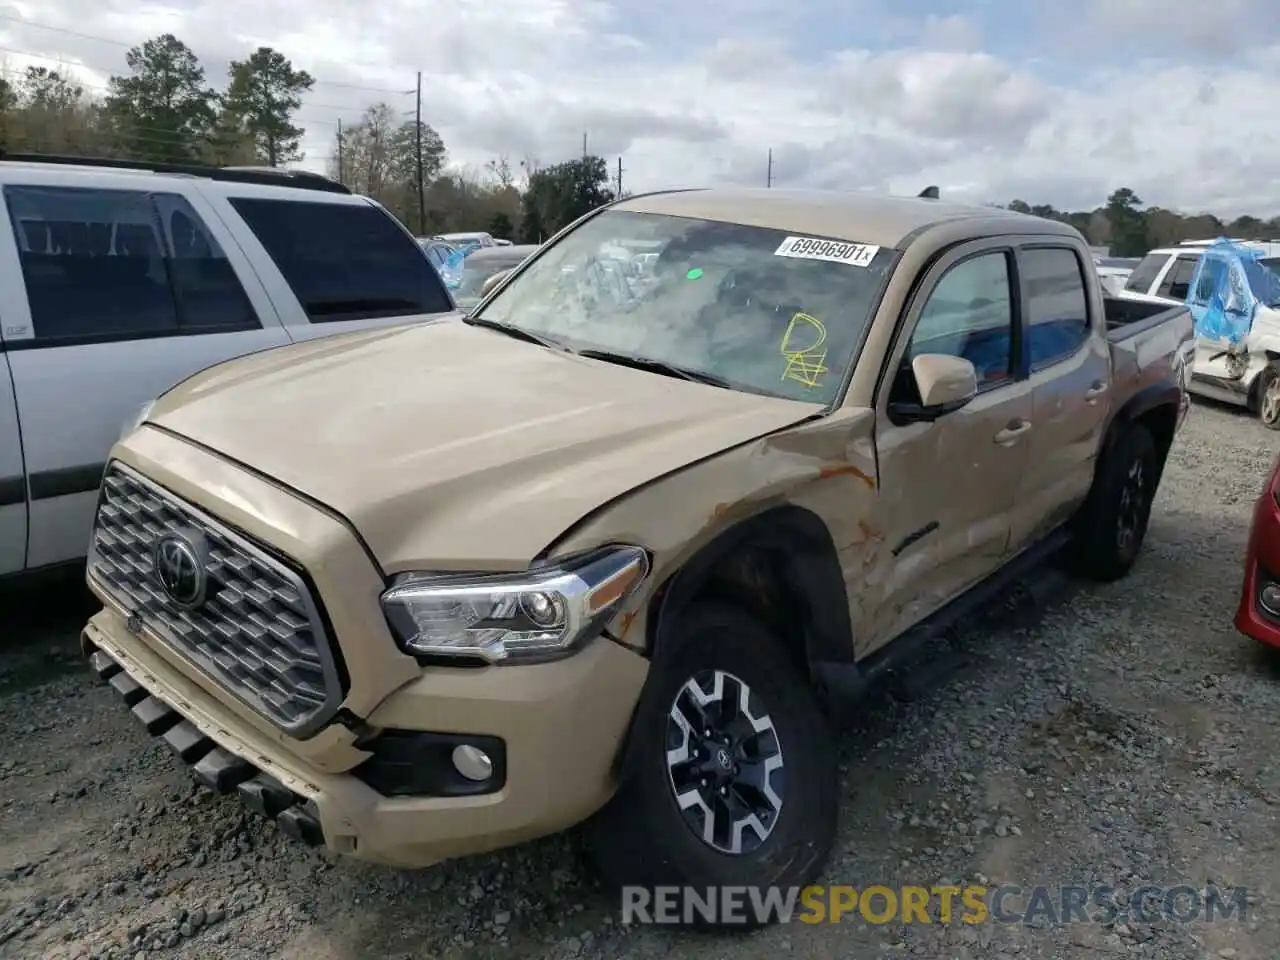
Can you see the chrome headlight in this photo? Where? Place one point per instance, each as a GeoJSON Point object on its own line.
{"type": "Point", "coordinates": [537, 614]}
{"type": "Point", "coordinates": [138, 419]}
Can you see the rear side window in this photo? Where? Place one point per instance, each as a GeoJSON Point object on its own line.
{"type": "Point", "coordinates": [120, 265]}
{"type": "Point", "coordinates": [1177, 282]}
{"type": "Point", "coordinates": [345, 261]}
{"type": "Point", "coordinates": [1145, 273]}
{"type": "Point", "coordinates": [1057, 308]}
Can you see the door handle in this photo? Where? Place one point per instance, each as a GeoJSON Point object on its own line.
{"type": "Point", "coordinates": [1093, 393]}
{"type": "Point", "coordinates": [1013, 431]}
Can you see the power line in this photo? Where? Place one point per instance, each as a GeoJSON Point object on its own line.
{"type": "Point", "coordinates": [105, 88]}
{"type": "Point", "coordinates": [303, 118]}
{"type": "Point", "coordinates": [298, 117]}
{"type": "Point", "coordinates": [63, 30]}
{"type": "Point", "coordinates": [143, 134]}
{"type": "Point", "coordinates": [129, 46]}
{"type": "Point", "coordinates": [417, 131]}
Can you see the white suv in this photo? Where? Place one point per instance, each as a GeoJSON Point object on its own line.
{"type": "Point", "coordinates": [118, 280]}
{"type": "Point", "coordinates": [1245, 374]}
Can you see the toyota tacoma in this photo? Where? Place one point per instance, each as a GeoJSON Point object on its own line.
{"type": "Point", "coordinates": [610, 547]}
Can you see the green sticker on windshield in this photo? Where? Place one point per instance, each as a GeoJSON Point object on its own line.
{"type": "Point", "coordinates": [693, 274]}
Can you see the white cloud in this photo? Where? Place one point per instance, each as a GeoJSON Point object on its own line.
{"type": "Point", "coordinates": [1172, 99]}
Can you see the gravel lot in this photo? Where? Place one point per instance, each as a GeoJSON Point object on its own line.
{"type": "Point", "coordinates": [1121, 736]}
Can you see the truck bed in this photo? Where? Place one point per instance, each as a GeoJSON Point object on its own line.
{"type": "Point", "coordinates": [1126, 318]}
{"type": "Point", "coordinates": [1151, 345]}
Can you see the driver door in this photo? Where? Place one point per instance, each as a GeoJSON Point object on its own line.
{"type": "Point", "coordinates": [949, 485]}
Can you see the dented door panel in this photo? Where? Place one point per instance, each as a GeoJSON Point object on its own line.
{"type": "Point", "coordinates": [949, 490]}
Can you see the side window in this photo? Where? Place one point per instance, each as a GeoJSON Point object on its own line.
{"type": "Point", "coordinates": [1145, 273]}
{"type": "Point", "coordinates": [210, 297]}
{"type": "Point", "coordinates": [345, 261]}
{"type": "Point", "coordinates": [92, 262]}
{"type": "Point", "coordinates": [1057, 308]}
{"type": "Point", "coordinates": [1177, 282]}
{"type": "Point", "coordinates": [970, 314]}
{"type": "Point", "coordinates": [101, 265]}
{"type": "Point", "coordinates": [1210, 279]}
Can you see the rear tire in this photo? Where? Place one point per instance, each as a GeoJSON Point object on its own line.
{"type": "Point", "coordinates": [754, 804]}
{"type": "Point", "coordinates": [1268, 402]}
{"type": "Point", "coordinates": [1112, 525]}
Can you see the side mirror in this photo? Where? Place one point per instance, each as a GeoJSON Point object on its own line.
{"type": "Point", "coordinates": [487, 287]}
{"type": "Point", "coordinates": [946, 384]}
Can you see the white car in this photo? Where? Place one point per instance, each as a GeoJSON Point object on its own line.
{"type": "Point", "coordinates": [1112, 278]}
{"type": "Point", "coordinates": [479, 239]}
{"type": "Point", "coordinates": [1246, 375]}
{"type": "Point", "coordinates": [117, 281]}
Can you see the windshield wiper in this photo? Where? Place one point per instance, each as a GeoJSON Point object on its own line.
{"type": "Point", "coordinates": [657, 366]}
{"type": "Point", "coordinates": [511, 330]}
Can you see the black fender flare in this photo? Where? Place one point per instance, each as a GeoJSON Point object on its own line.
{"type": "Point", "coordinates": [1151, 397]}
{"type": "Point", "coordinates": [812, 575]}
{"type": "Point", "coordinates": [813, 578]}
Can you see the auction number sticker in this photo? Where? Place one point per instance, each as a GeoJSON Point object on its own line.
{"type": "Point", "coordinates": [832, 251]}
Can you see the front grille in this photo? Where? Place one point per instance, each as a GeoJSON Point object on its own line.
{"type": "Point", "coordinates": [258, 632]}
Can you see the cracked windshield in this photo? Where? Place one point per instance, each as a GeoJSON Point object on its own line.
{"type": "Point", "coordinates": [587, 480]}
{"type": "Point", "coordinates": [752, 309]}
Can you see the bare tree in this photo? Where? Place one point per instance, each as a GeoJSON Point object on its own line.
{"type": "Point", "coordinates": [499, 169]}
{"type": "Point", "coordinates": [529, 166]}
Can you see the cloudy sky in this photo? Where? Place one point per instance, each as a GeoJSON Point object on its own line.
{"type": "Point", "coordinates": [1054, 101]}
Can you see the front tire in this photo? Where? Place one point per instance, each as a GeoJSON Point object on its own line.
{"type": "Point", "coordinates": [734, 782]}
{"type": "Point", "coordinates": [1268, 403]}
{"type": "Point", "coordinates": [1113, 524]}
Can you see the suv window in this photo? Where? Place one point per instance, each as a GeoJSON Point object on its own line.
{"type": "Point", "coordinates": [1145, 273]}
{"type": "Point", "coordinates": [120, 265]}
{"type": "Point", "coordinates": [970, 314]}
{"type": "Point", "coordinates": [345, 261]}
{"type": "Point", "coordinates": [1177, 282]}
{"type": "Point", "coordinates": [1057, 307]}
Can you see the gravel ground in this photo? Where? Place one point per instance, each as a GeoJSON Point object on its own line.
{"type": "Point", "coordinates": [1120, 736]}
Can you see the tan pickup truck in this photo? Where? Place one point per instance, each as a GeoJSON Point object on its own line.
{"type": "Point", "coordinates": [610, 547]}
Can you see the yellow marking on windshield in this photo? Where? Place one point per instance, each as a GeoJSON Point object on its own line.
{"type": "Point", "coordinates": [806, 362]}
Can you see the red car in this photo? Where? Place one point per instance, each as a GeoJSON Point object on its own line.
{"type": "Point", "coordinates": [1258, 615]}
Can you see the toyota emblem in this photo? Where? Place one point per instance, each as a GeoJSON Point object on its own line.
{"type": "Point", "coordinates": [181, 568]}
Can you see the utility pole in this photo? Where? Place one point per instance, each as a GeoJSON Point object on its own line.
{"type": "Point", "coordinates": [768, 182]}
{"type": "Point", "coordinates": [266, 99]}
{"type": "Point", "coordinates": [342, 178]}
{"type": "Point", "coordinates": [584, 144]}
{"type": "Point", "coordinates": [422, 196]}
{"type": "Point", "coordinates": [619, 197]}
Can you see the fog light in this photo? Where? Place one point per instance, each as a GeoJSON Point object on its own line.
{"type": "Point", "coordinates": [472, 762]}
{"type": "Point", "coordinates": [1269, 599]}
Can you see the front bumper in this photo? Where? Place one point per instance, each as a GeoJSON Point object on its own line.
{"type": "Point", "coordinates": [562, 725]}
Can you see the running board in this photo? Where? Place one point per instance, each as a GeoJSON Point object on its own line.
{"type": "Point", "coordinates": [1030, 573]}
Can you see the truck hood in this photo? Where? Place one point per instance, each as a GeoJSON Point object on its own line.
{"type": "Point", "coordinates": [453, 447]}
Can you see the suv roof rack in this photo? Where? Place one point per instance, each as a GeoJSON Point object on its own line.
{"type": "Point", "coordinates": [267, 176]}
